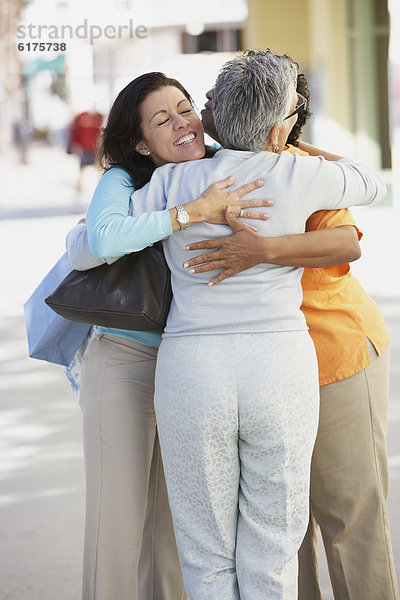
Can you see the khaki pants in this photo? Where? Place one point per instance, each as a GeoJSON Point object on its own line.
{"type": "Point", "coordinates": [349, 487]}
{"type": "Point", "coordinates": [129, 551]}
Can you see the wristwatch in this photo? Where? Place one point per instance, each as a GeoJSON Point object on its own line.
{"type": "Point", "coordinates": [182, 216]}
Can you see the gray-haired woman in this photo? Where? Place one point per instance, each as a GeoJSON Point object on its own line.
{"type": "Point", "coordinates": [236, 383]}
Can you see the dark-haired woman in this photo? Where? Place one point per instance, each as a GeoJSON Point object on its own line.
{"type": "Point", "coordinates": [129, 549]}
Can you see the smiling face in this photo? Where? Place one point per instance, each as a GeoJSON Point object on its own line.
{"type": "Point", "coordinates": [172, 131]}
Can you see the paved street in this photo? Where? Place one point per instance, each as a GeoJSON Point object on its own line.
{"type": "Point", "coordinates": [41, 469]}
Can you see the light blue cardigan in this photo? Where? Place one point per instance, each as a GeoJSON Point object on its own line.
{"type": "Point", "coordinates": [112, 198]}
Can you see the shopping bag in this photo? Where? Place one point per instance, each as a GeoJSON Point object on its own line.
{"type": "Point", "coordinates": [50, 336]}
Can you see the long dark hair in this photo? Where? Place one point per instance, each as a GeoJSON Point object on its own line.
{"type": "Point", "coordinates": [123, 130]}
{"type": "Point", "coordinates": [304, 115]}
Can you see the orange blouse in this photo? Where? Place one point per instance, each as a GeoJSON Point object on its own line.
{"type": "Point", "coordinates": [339, 313]}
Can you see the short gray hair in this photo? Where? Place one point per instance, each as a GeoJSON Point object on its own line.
{"type": "Point", "coordinates": [252, 94]}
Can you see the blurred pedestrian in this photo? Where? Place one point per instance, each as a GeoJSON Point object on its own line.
{"type": "Point", "coordinates": [84, 132]}
{"type": "Point", "coordinates": [22, 133]}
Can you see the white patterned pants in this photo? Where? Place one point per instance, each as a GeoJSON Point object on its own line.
{"type": "Point", "coordinates": [237, 418]}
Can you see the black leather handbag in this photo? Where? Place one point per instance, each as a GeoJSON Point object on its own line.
{"type": "Point", "coordinates": [132, 293]}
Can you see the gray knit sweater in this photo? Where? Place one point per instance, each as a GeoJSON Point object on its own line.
{"type": "Point", "coordinates": [266, 297]}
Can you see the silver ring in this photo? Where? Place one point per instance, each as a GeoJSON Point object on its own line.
{"type": "Point", "coordinates": [241, 212]}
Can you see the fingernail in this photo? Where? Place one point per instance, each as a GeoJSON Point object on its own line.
{"type": "Point", "coordinates": [186, 248]}
{"type": "Point", "coordinates": [185, 265]}
{"type": "Point", "coordinates": [210, 283]}
{"type": "Point", "coordinates": [260, 182]}
{"type": "Point", "coordinates": [191, 271]}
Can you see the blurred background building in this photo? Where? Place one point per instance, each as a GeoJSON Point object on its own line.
{"type": "Point", "coordinates": [349, 49]}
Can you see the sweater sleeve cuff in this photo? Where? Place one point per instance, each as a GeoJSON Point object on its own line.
{"type": "Point", "coordinates": [166, 225]}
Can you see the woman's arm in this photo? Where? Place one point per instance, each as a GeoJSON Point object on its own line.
{"type": "Point", "coordinates": [245, 249]}
{"type": "Point", "coordinates": [314, 151]}
{"type": "Point", "coordinates": [112, 232]}
{"type": "Point", "coordinates": [314, 249]}
{"type": "Point", "coordinates": [80, 255]}
{"type": "Point", "coordinates": [333, 182]}
{"type": "Point", "coordinates": [210, 206]}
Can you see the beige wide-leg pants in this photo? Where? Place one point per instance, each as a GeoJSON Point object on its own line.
{"type": "Point", "coordinates": [349, 487]}
{"type": "Point", "coordinates": [129, 551]}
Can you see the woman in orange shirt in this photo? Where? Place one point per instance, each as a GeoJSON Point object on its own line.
{"type": "Point", "coordinates": [349, 473]}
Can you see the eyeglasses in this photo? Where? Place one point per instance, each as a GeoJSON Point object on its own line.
{"type": "Point", "coordinates": [301, 105]}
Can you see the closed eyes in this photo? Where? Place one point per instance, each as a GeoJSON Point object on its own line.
{"type": "Point", "coordinates": [183, 112]}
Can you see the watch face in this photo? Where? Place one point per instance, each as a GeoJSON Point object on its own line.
{"type": "Point", "coordinates": [183, 218]}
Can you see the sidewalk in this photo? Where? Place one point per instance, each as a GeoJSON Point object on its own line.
{"type": "Point", "coordinates": [45, 186]}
